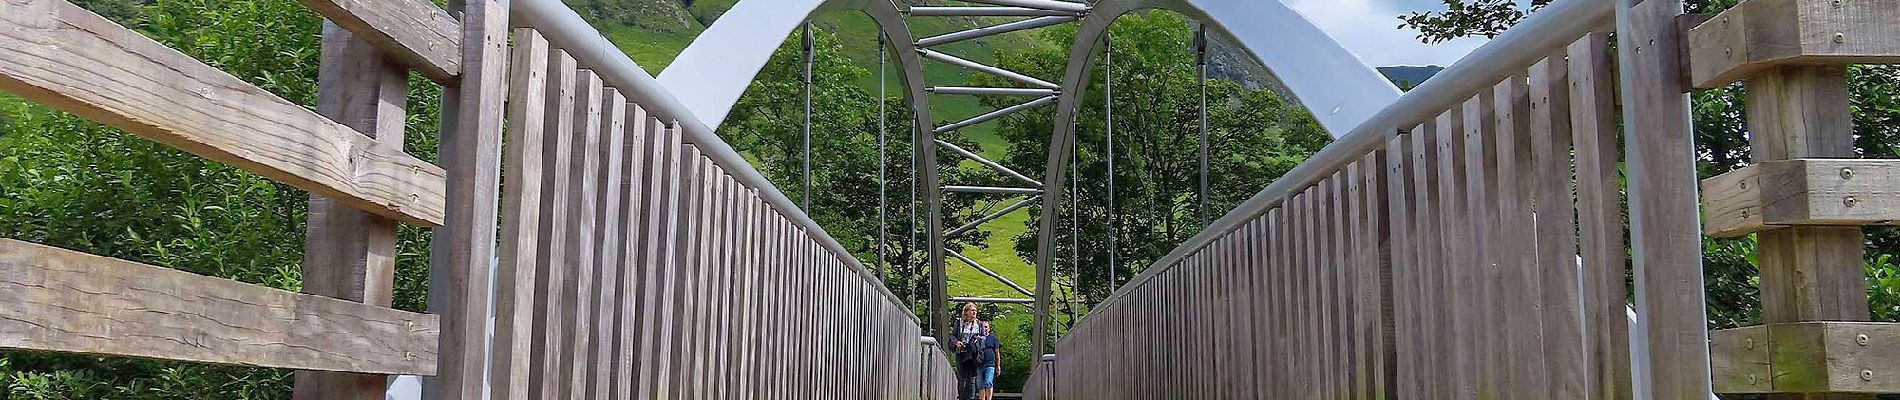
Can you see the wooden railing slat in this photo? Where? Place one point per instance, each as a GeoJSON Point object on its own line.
{"type": "Point", "coordinates": [63, 56]}
{"type": "Point", "coordinates": [606, 234]}
{"type": "Point", "coordinates": [552, 264]}
{"type": "Point", "coordinates": [577, 291]}
{"type": "Point", "coordinates": [522, 209]}
{"type": "Point", "coordinates": [416, 32]}
{"type": "Point", "coordinates": [68, 301]}
{"type": "Point", "coordinates": [1556, 216]}
{"type": "Point", "coordinates": [1519, 276]}
{"type": "Point", "coordinates": [1599, 215]}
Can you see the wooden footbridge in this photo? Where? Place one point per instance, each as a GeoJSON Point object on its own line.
{"type": "Point", "coordinates": [1469, 240]}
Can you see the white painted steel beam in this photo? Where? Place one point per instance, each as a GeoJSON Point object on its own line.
{"type": "Point", "coordinates": [979, 67]}
{"type": "Point", "coordinates": [984, 12]}
{"type": "Point", "coordinates": [992, 190]}
{"type": "Point", "coordinates": [993, 216]}
{"type": "Point", "coordinates": [990, 300]}
{"type": "Point", "coordinates": [992, 274]}
{"type": "Point", "coordinates": [1042, 4]}
{"type": "Point", "coordinates": [991, 91]}
{"type": "Point", "coordinates": [986, 162]}
{"type": "Point", "coordinates": [997, 114]}
{"type": "Point", "coordinates": [1026, 24]}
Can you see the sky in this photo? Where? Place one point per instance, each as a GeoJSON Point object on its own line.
{"type": "Point", "coordinates": [1369, 28]}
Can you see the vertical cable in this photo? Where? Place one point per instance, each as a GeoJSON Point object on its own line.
{"type": "Point", "coordinates": [809, 60]}
{"type": "Point", "coordinates": [880, 158]}
{"type": "Point", "coordinates": [1200, 62]}
{"type": "Point", "coordinates": [1108, 105]}
{"type": "Point", "coordinates": [1075, 222]}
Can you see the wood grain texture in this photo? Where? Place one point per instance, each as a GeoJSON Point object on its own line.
{"type": "Point", "coordinates": [553, 258]}
{"type": "Point", "coordinates": [350, 254]}
{"type": "Point", "coordinates": [463, 250]}
{"type": "Point", "coordinates": [584, 202]}
{"type": "Point", "coordinates": [68, 58]}
{"type": "Point", "coordinates": [1776, 194]}
{"type": "Point", "coordinates": [521, 208]}
{"type": "Point", "coordinates": [1463, 283]}
{"type": "Point", "coordinates": [1665, 234]}
{"type": "Point", "coordinates": [607, 252]}
{"type": "Point", "coordinates": [1407, 275]}
{"type": "Point", "coordinates": [415, 32]}
{"type": "Point", "coordinates": [642, 130]}
{"type": "Point", "coordinates": [1565, 359]}
{"type": "Point", "coordinates": [1520, 299]}
{"type": "Point", "coordinates": [1428, 209]}
{"type": "Point", "coordinates": [1807, 359]}
{"type": "Point", "coordinates": [67, 301]}
{"type": "Point", "coordinates": [1759, 35]}
{"type": "Point", "coordinates": [1599, 215]}
{"type": "Point", "coordinates": [658, 212]}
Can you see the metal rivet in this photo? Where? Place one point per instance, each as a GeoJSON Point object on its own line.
{"type": "Point", "coordinates": [1744, 185]}
{"type": "Point", "coordinates": [1744, 213]}
{"type": "Point", "coordinates": [1850, 201]}
{"type": "Point", "coordinates": [1727, 52]}
{"type": "Point", "coordinates": [1840, 37]}
{"type": "Point", "coordinates": [1867, 375]}
{"type": "Point", "coordinates": [1861, 338]}
{"type": "Point", "coordinates": [1753, 380]}
{"type": "Point", "coordinates": [1837, 3]}
{"type": "Point", "coordinates": [1847, 173]}
{"type": "Point", "coordinates": [1748, 343]}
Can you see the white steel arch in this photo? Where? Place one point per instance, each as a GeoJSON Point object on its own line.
{"type": "Point", "coordinates": [710, 75]}
{"type": "Point", "coordinates": [1333, 84]}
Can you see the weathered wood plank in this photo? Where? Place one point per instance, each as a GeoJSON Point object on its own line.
{"type": "Point", "coordinates": [1556, 238]}
{"type": "Point", "coordinates": [1487, 252]}
{"type": "Point", "coordinates": [1600, 215]}
{"type": "Point", "coordinates": [463, 250]}
{"type": "Point", "coordinates": [68, 58]}
{"type": "Point", "coordinates": [583, 201]}
{"type": "Point", "coordinates": [661, 175]}
{"type": "Point", "coordinates": [414, 32]}
{"type": "Point", "coordinates": [350, 254]}
{"type": "Point", "coordinates": [687, 262]}
{"type": "Point", "coordinates": [641, 131]}
{"type": "Point", "coordinates": [607, 230]}
{"type": "Point", "coordinates": [1739, 360]}
{"type": "Point", "coordinates": [1759, 35]}
{"type": "Point", "coordinates": [1774, 194]}
{"type": "Point", "coordinates": [1662, 199]}
{"type": "Point", "coordinates": [67, 301]}
{"type": "Point", "coordinates": [1428, 207]}
{"type": "Point", "coordinates": [521, 208]}
{"type": "Point", "coordinates": [1812, 359]}
{"type": "Point", "coordinates": [1458, 263]}
{"type": "Point", "coordinates": [552, 256]}
{"type": "Point", "coordinates": [1521, 300]}
{"type": "Point", "coordinates": [1407, 273]}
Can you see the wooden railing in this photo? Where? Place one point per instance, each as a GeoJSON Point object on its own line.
{"type": "Point", "coordinates": [638, 256]}
{"type": "Point", "coordinates": [1469, 241]}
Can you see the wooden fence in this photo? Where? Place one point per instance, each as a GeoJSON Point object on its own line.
{"type": "Point", "coordinates": [637, 256]}
{"type": "Point", "coordinates": [1469, 243]}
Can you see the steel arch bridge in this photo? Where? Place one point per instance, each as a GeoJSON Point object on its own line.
{"type": "Point", "coordinates": [710, 75]}
{"type": "Point", "coordinates": [1474, 237]}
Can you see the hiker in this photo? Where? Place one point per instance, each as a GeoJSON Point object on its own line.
{"type": "Point", "coordinates": [969, 359]}
{"type": "Point", "coordinates": [991, 351]}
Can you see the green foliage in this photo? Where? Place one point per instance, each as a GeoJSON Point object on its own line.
{"type": "Point", "coordinates": [71, 183]}
{"type": "Point", "coordinates": [1254, 137]}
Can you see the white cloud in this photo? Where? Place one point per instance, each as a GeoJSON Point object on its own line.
{"type": "Point", "coordinates": [1369, 28]}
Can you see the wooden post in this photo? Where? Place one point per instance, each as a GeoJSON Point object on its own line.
{"type": "Point", "coordinates": [1665, 231]}
{"type": "Point", "coordinates": [1808, 273]}
{"type": "Point", "coordinates": [350, 254]}
{"type": "Point", "coordinates": [463, 249]}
